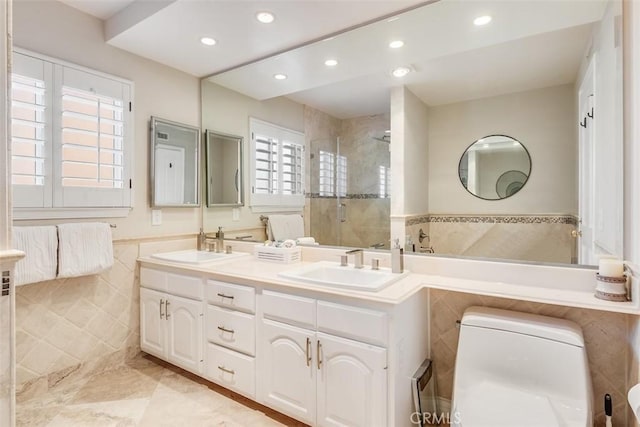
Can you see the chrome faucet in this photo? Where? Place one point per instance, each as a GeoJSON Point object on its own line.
{"type": "Point", "coordinates": [358, 254]}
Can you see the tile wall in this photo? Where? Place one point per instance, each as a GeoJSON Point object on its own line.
{"type": "Point", "coordinates": [538, 238]}
{"type": "Point", "coordinates": [81, 324]}
{"type": "Point", "coordinates": [606, 337]}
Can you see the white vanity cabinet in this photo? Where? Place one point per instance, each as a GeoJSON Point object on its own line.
{"type": "Point", "coordinates": [230, 336]}
{"type": "Point", "coordinates": [171, 313]}
{"type": "Point", "coordinates": [320, 378]}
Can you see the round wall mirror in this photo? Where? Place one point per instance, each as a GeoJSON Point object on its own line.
{"type": "Point", "coordinates": [494, 167]}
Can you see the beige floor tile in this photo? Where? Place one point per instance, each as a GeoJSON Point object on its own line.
{"type": "Point", "coordinates": [120, 384]}
{"type": "Point", "coordinates": [103, 414]}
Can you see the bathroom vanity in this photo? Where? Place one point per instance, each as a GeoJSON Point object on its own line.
{"type": "Point", "coordinates": [320, 355]}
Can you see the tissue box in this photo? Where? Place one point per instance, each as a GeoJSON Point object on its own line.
{"type": "Point", "coordinates": [281, 255]}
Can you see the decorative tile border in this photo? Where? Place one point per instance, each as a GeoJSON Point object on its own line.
{"type": "Point", "coordinates": [494, 219]}
{"type": "Point", "coordinates": [348, 196]}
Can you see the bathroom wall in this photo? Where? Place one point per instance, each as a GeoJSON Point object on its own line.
{"type": "Point", "coordinates": [366, 211]}
{"type": "Point", "coordinates": [539, 238]}
{"type": "Point", "coordinates": [606, 339]}
{"type": "Point", "coordinates": [543, 120]}
{"type": "Point", "coordinates": [65, 326]}
{"type": "Point", "coordinates": [227, 111]}
{"type": "Point", "coordinates": [57, 30]}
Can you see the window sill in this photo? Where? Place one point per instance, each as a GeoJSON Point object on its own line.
{"type": "Point", "coordinates": [69, 213]}
{"type": "Point", "coordinates": [275, 209]}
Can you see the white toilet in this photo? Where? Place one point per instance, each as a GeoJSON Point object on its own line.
{"type": "Point", "coordinates": [518, 369]}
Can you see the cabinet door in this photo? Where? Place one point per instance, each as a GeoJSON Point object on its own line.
{"type": "Point", "coordinates": [152, 322]}
{"type": "Point", "coordinates": [286, 376]}
{"type": "Point", "coordinates": [185, 333]}
{"type": "Point", "coordinates": [352, 383]}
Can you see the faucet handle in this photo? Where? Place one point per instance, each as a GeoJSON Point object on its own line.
{"type": "Point", "coordinates": [343, 261]}
{"type": "Point", "coordinates": [375, 264]}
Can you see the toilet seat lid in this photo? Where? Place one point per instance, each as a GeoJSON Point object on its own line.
{"type": "Point", "coordinates": [495, 405]}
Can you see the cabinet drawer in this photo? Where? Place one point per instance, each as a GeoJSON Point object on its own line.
{"type": "Point", "coordinates": [230, 295]}
{"type": "Point", "coordinates": [353, 322]}
{"type": "Point", "coordinates": [231, 369]}
{"type": "Point", "coordinates": [290, 309]}
{"type": "Point", "coordinates": [153, 279]}
{"type": "Point", "coordinates": [185, 286]}
{"type": "Point", "coordinates": [231, 329]}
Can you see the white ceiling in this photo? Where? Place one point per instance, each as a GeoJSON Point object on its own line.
{"type": "Point", "coordinates": [529, 44]}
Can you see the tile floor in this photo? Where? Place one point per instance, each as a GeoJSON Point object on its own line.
{"type": "Point", "coordinates": [144, 392]}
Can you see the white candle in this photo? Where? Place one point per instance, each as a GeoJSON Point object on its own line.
{"type": "Point", "coordinates": [611, 267]}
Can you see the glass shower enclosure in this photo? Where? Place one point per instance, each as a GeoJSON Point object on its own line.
{"type": "Point", "coordinates": [349, 182]}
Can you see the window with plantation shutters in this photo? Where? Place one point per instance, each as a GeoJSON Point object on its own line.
{"type": "Point", "coordinates": [333, 174]}
{"type": "Point", "coordinates": [71, 140]}
{"type": "Point", "coordinates": [277, 173]}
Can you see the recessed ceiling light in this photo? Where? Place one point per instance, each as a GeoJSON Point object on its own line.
{"type": "Point", "coordinates": [400, 71]}
{"type": "Point", "coordinates": [208, 41]}
{"type": "Point", "coordinates": [279, 76]}
{"type": "Point", "coordinates": [396, 44]}
{"type": "Point", "coordinates": [330, 62]}
{"type": "Point", "coordinates": [482, 20]}
{"type": "Point", "coordinates": [265, 17]}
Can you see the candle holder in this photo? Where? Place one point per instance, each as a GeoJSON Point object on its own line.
{"type": "Point", "coordinates": [611, 288]}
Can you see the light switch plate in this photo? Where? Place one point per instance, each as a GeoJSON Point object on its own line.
{"type": "Point", "coordinates": [156, 217]}
{"type": "Point", "coordinates": [235, 214]}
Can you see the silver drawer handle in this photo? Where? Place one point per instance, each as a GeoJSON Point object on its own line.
{"type": "Point", "coordinates": [225, 296]}
{"type": "Point", "coordinates": [223, 329]}
{"type": "Point", "coordinates": [228, 371]}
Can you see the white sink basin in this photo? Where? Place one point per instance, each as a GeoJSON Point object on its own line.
{"type": "Point", "coordinates": [193, 256]}
{"type": "Point", "coordinates": [332, 274]}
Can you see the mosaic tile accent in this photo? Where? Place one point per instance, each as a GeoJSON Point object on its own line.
{"type": "Point", "coordinates": [605, 334]}
{"type": "Point", "coordinates": [494, 219]}
{"type": "Point", "coordinates": [348, 196]}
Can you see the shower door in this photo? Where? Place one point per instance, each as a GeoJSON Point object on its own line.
{"type": "Point", "coordinates": [349, 200]}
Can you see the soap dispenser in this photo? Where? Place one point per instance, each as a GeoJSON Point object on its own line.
{"type": "Point", "coordinates": [202, 241]}
{"type": "Point", "coordinates": [397, 257]}
{"type": "Point", "coordinates": [220, 238]}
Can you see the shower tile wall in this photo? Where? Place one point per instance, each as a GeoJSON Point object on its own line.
{"type": "Point", "coordinates": [75, 326]}
{"type": "Point", "coordinates": [606, 339]}
{"type": "Point", "coordinates": [367, 213]}
{"type": "Point", "coordinates": [521, 237]}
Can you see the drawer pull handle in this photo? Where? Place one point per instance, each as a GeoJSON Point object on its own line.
{"type": "Point", "coordinates": [225, 296]}
{"type": "Point", "coordinates": [308, 351]}
{"type": "Point", "coordinates": [223, 329]}
{"type": "Point", "coordinates": [319, 349]}
{"type": "Point", "coordinates": [166, 309]}
{"type": "Point", "coordinates": [228, 371]}
{"type": "Point", "coordinates": [161, 304]}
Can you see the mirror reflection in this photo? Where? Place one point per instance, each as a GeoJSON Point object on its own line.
{"type": "Point", "coordinates": [174, 164]}
{"type": "Point", "coordinates": [494, 167]}
{"type": "Point", "coordinates": [224, 169]}
{"type": "Point", "coordinates": [555, 85]}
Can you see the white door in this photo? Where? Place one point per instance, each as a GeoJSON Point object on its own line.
{"type": "Point", "coordinates": [184, 320]}
{"type": "Point", "coordinates": [352, 383]}
{"type": "Point", "coordinates": [152, 322]}
{"type": "Point", "coordinates": [169, 175]}
{"type": "Point", "coordinates": [287, 372]}
{"type": "Point", "coordinates": [586, 129]}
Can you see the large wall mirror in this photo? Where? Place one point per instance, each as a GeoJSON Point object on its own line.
{"type": "Point", "coordinates": [521, 75]}
{"type": "Point", "coordinates": [224, 169]}
{"type": "Point", "coordinates": [174, 164]}
{"type": "Point", "coordinates": [494, 167]}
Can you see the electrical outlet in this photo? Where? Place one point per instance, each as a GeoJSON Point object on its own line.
{"type": "Point", "coordinates": [236, 214]}
{"type": "Point", "coordinates": [156, 217]}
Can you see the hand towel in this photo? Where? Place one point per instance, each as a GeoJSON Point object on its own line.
{"type": "Point", "coordinates": [285, 227]}
{"type": "Point", "coordinates": [306, 241]}
{"type": "Point", "coordinates": [85, 248]}
{"type": "Point", "coordinates": [40, 244]}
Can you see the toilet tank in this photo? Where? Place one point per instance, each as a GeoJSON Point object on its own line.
{"type": "Point", "coordinates": [537, 355]}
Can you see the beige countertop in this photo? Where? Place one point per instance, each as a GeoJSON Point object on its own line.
{"type": "Point", "coordinates": [249, 270]}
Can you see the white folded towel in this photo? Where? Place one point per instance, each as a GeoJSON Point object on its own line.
{"type": "Point", "coordinates": [306, 241]}
{"type": "Point", "coordinates": [85, 248]}
{"type": "Point", "coordinates": [40, 244]}
{"type": "Point", "coordinates": [285, 227]}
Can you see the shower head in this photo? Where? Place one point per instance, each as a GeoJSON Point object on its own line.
{"type": "Point", "coordinates": [384, 138]}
